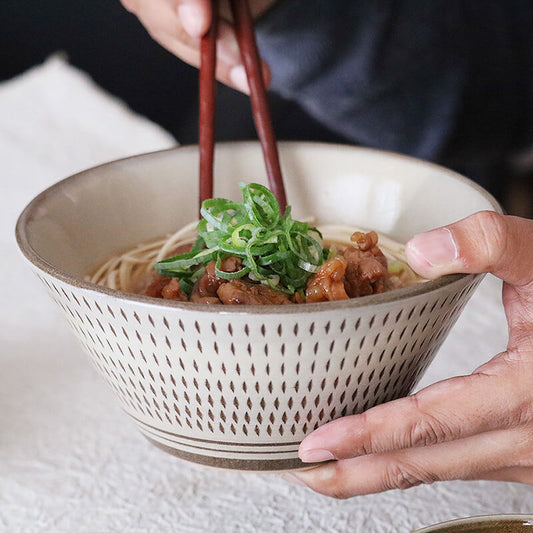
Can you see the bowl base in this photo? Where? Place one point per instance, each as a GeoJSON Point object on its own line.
{"type": "Point", "coordinates": [249, 465]}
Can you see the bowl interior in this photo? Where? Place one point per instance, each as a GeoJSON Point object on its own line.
{"type": "Point", "coordinates": [84, 219]}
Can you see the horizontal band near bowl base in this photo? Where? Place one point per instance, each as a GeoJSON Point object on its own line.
{"type": "Point", "coordinates": [251, 465]}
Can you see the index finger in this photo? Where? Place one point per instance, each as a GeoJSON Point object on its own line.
{"type": "Point", "coordinates": [448, 410]}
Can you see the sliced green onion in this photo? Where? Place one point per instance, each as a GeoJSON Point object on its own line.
{"type": "Point", "coordinates": [275, 249]}
{"type": "Point", "coordinates": [308, 267]}
{"type": "Point", "coordinates": [396, 267]}
{"type": "Point", "coordinates": [184, 261]}
{"type": "Point", "coordinates": [236, 235]}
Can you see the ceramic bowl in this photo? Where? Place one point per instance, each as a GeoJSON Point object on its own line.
{"type": "Point", "coordinates": [510, 523]}
{"type": "Point", "coordinates": [240, 387]}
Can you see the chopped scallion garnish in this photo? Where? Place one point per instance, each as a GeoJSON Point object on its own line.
{"type": "Point", "coordinates": [275, 249]}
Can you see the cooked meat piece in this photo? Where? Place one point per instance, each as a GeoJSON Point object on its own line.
{"type": "Point", "coordinates": [155, 286]}
{"type": "Point", "coordinates": [197, 299]}
{"type": "Point", "coordinates": [231, 264]}
{"type": "Point", "coordinates": [366, 272]}
{"type": "Point", "coordinates": [328, 282]}
{"type": "Point", "coordinates": [165, 287]}
{"type": "Point", "coordinates": [239, 292]}
{"type": "Point", "coordinates": [208, 284]}
{"type": "Point", "coordinates": [365, 241]}
{"type": "Point", "coordinates": [171, 291]}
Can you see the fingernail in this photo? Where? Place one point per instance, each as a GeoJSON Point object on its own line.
{"type": "Point", "coordinates": [433, 249]}
{"type": "Point", "coordinates": [192, 18]}
{"type": "Point", "coordinates": [238, 78]}
{"type": "Point", "coordinates": [291, 478]}
{"type": "Point", "coordinates": [316, 456]}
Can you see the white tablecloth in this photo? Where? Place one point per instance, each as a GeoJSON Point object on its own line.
{"type": "Point", "coordinates": [70, 460]}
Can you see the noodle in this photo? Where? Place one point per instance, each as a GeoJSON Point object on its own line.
{"type": "Point", "coordinates": [129, 271]}
{"type": "Point", "coordinates": [132, 271]}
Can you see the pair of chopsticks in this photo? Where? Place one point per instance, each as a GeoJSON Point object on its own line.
{"type": "Point", "coordinates": [263, 122]}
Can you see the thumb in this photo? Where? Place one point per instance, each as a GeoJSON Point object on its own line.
{"type": "Point", "coordinates": [195, 16]}
{"type": "Point", "coordinates": [483, 242]}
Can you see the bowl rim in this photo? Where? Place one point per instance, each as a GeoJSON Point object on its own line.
{"type": "Point", "coordinates": [22, 237]}
{"type": "Point", "coordinates": [506, 517]}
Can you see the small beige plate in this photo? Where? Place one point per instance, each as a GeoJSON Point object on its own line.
{"type": "Point", "coordinates": [511, 523]}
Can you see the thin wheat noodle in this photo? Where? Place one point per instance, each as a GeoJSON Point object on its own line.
{"type": "Point", "coordinates": [132, 270]}
{"type": "Point", "coordinates": [128, 270]}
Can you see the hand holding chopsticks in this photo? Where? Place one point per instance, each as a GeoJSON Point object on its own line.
{"type": "Point", "coordinates": [263, 122]}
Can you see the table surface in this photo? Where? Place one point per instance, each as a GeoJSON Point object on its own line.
{"type": "Point", "coordinates": [70, 460]}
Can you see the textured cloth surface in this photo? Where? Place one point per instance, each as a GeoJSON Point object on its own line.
{"type": "Point", "coordinates": [70, 459]}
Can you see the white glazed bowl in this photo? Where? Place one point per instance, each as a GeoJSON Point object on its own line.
{"type": "Point", "coordinates": [239, 387]}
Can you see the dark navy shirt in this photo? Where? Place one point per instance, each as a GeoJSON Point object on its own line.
{"type": "Point", "coordinates": [445, 80]}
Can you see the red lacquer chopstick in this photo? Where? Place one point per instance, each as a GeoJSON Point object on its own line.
{"type": "Point", "coordinates": [206, 125]}
{"type": "Point", "coordinates": [244, 29]}
{"type": "Point", "coordinates": [263, 122]}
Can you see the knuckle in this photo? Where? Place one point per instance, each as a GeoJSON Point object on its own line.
{"type": "Point", "coordinates": [366, 445]}
{"type": "Point", "coordinates": [335, 484]}
{"type": "Point", "coordinates": [425, 432]}
{"type": "Point", "coordinates": [521, 454]}
{"type": "Point", "coordinates": [492, 229]}
{"type": "Point", "coordinates": [338, 493]}
{"type": "Point", "coordinates": [524, 415]}
{"type": "Point", "coordinates": [426, 429]}
{"type": "Point", "coordinates": [403, 476]}
{"type": "Point", "coordinates": [513, 376]}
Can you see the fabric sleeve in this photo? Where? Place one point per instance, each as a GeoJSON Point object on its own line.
{"type": "Point", "coordinates": [398, 75]}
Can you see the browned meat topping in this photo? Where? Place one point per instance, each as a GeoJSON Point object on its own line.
{"type": "Point", "coordinates": [239, 292]}
{"type": "Point", "coordinates": [171, 291]}
{"type": "Point", "coordinates": [208, 284]}
{"type": "Point", "coordinates": [365, 241]}
{"type": "Point", "coordinates": [156, 285]}
{"type": "Point", "coordinates": [196, 298]}
{"type": "Point", "coordinates": [328, 282]}
{"type": "Point", "coordinates": [167, 288]}
{"type": "Point", "coordinates": [366, 272]}
{"type": "Point", "coordinates": [360, 270]}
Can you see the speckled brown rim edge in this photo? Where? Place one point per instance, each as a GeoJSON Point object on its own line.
{"type": "Point", "coordinates": [364, 301]}
{"type": "Point", "coordinates": [517, 519]}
